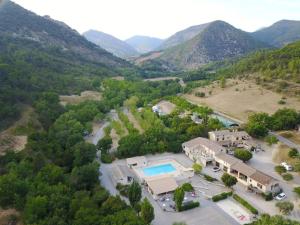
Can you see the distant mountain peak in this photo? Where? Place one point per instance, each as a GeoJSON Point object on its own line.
{"type": "Point", "coordinates": [280, 33]}
{"type": "Point", "coordinates": [144, 44]}
{"type": "Point", "coordinates": [110, 43]}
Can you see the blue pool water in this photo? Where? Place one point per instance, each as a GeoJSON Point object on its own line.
{"type": "Point", "coordinates": [227, 122]}
{"type": "Point", "coordinates": [158, 170]}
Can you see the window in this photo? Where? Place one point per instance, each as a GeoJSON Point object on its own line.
{"type": "Point", "coordinates": [259, 185]}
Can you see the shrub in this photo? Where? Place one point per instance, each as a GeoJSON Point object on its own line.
{"type": "Point", "coordinates": [268, 196]}
{"type": "Point", "coordinates": [293, 153]}
{"type": "Point", "coordinates": [297, 167]}
{"type": "Point", "coordinates": [280, 169]}
{"type": "Point", "coordinates": [228, 180]}
{"type": "Point", "coordinates": [243, 154]}
{"type": "Point", "coordinates": [188, 206]}
{"type": "Point", "coordinates": [197, 168]}
{"type": "Point", "coordinates": [209, 178]}
{"type": "Point", "coordinates": [200, 94]}
{"type": "Point", "coordinates": [221, 196]}
{"type": "Point", "coordinates": [297, 191]}
{"type": "Point", "coordinates": [123, 189]}
{"type": "Point", "coordinates": [285, 207]}
{"type": "Point", "coordinates": [281, 102]}
{"type": "Point", "coordinates": [270, 139]}
{"type": "Point", "coordinates": [245, 204]}
{"type": "Point", "coordinates": [107, 158]}
{"type": "Point", "coordinates": [187, 187]}
{"type": "Point", "coordinates": [287, 176]}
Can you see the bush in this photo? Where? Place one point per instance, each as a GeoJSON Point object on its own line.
{"type": "Point", "coordinates": [245, 204]}
{"type": "Point", "coordinates": [287, 177]}
{"type": "Point", "coordinates": [200, 94]}
{"type": "Point", "coordinates": [297, 191]}
{"type": "Point", "coordinates": [221, 196]}
{"type": "Point", "coordinates": [107, 158]}
{"type": "Point", "coordinates": [281, 102]}
{"type": "Point", "coordinates": [293, 153]}
{"type": "Point", "coordinates": [280, 169]}
{"type": "Point", "coordinates": [187, 187]}
{"type": "Point", "coordinates": [228, 180]}
{"type": "Point", "coordinates": [197, 168]}
{"type": "Point", "coordinates": [285, 207]}
{"type": "Point", "coordinates": [123, 189]}
{"type": "Point", "coordinates": [188, 206]}
{"type": "Point", "coordinates": [268, 196]}
{"type": "Point", "coordinates": [270, 139]}
{"type": "Point", "coordinates": [209, 178]}
{"type": "Point", "coordinates": [243, 154]}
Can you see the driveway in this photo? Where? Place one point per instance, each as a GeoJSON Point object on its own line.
{"type": "Point", "coordinates": [285, 141]}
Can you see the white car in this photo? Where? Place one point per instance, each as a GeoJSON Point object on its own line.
{"type": "Point", "coordinates": [216, 169]}
{"type": "Point", "coordinates": [287, 166]}
{"type": "Point", "coordinates": [281, 196]}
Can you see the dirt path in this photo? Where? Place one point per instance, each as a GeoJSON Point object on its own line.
{"type": "Point", "coordinates": [115, 140]}
{"type": "Point", "coordinates": [133, 120]}
{"type": "Point", "coordinates": [76, 99]}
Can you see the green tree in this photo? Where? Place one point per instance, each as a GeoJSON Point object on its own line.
{"type": "Point", "coordinates": [84, 153]}
{"type": "Point", "coordinates": [178, 197]}
{"type": "Point", "coordinates": [256, 129]}
{"type": "Point", "coordinates": [104, 144]}
{"type": "Point", "coordinates": [228, 180]}
{"type": "Point", "coordinates": [285, 207]}
{"type": "Point", "coordinates": [297, 191]}
{"type": "Point", "coordinates": [243, 154]}
{"type": "Point", "coordinates": [147, 211]}
{"type": "Point", "coordinates": [36, 209]}
{"type": "Point", "coordinates": [134, 193]}
{"type": "Point", "coordinates": [293, 153]}
{"type": "Point", "coordinates": [197, 168]}
{"type": "Point", "coordinates": [280, 169]}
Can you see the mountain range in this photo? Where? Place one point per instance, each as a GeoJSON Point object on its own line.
{"type": "Point", "coordinates": [111, 44]}
{"type": "Point", "coordinates": [144, 44]}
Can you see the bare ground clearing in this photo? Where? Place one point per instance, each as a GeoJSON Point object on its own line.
{"type": "Point", "coordinates": [241, 98]}
{"type": "Point", "coordinates": [135, 123]}
{"type": "Point", "coordinates": [6, 216]}
{"type": "Point", "coordinates": [161, 78]}
{"type": "Point", "coordinates": [76, 99]}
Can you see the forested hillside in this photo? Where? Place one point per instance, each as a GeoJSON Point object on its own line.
{"type": "Point", "coordinates": [39, 54]}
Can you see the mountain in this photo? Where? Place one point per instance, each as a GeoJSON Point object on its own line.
{"type": "Point", "coordinates": [144, 44]}
{"type": "Point", "coordinates": [39, 54]}
{"type": "Point", "coordinates": [110, 43]}
{"type": "Point", "coordinates": [18, 22]}
{"type": "Point", "coordinates": [183, 36]}
{"type": "Point", "coordinates": [216, 41]}
{"type": "Point", "coordinates": [280, 33]}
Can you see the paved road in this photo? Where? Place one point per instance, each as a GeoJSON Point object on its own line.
{"type": "Point", "coordinates": [100, 133]}
{"type": "Point", "coordinates": [285, 141]}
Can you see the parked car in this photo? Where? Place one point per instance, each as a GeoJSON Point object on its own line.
{"type": "Point", "coordinates": [281, 196]}
{"type": "Point", "coordinates": [287, 166]}
{"type": "Point", "coordinates": [216, 169]}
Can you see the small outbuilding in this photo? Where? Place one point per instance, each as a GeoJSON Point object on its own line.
{"type": "Point", "coordinates": [139, 161]}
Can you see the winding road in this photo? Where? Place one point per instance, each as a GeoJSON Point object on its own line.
{"type": "Point", "coordinates": [285, 140]}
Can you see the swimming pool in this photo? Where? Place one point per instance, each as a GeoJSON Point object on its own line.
{"type": "Point", "coordinates": [158, 170]}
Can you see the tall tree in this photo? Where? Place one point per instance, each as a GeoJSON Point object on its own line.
{"type": "Point", "coordinates": [147, 211]}
{"type": "Point", "coordinates": [134, 193]}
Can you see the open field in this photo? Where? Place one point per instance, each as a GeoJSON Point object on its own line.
{"type": "Point", "coordinates": [293, 136]}
{"type": "Point", "coordinates": [76, 99]}
{"type": "Point", "coordinates": [240, 98]}
{"type": "Point", "coordinates": [15, 137]}
{"type": "Point", "coordinates": [281, 155]}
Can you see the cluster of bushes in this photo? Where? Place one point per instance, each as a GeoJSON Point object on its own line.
{"type": "Point", "coordinates": [267, 196]}
{"type": "Point", "coordinates": [283, 119]}
{"type": "Point", "coordinates": [129, 126]}
{"type": "Point", "coordinates": [245, 204]}
{"type": "Point", "coordinates": [282, 171]}
{"type": "Point", "coordinates": [221, 196]}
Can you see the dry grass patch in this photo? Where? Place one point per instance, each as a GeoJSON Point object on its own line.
{"type": "Point", "coordinates": [9, 216]}
{"type": "Point", "coordinates": [76, 99]}
{"type": "Point", "coordinates": [135, 123]}
{"type": "Point", "coordinates": [115, 139]}
{"type": "Point", "coordinates": [161, 78]}
{"type": "Point", "coordinates": [293, 136]}
{"type": "Point", "coordinates": [282, 155]}
{"type": "Point", "coordinates": [241, 98]}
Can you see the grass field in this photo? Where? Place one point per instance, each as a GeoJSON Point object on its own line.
{"type": "Point", "coordinates": [76, 99]}
{"type": "Point", "coordinates": [293, 136]}
{"type": "Point", "coordinates": [240, 98]}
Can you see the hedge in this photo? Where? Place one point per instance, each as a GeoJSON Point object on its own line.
{"type": "Point", "coordinates": [221, 196]}
{"type": "Point", "coordinates": [245, 204]}
{"type": "Point", "coordinates": [209, 178]}
{"type": "Point", "coordinates": [188, 206]}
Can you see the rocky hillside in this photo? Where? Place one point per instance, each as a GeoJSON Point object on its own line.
{"type": "Point", "coordinates": [111, 44]}
{"type": "Point", "coordinates": [279, 34]}
{"type": "Point", "coordinates": [183, 36]}
{"type": "Point", "coordinates": [216, 41]}
{"type": "Point", "coordinates": [144, 44]}
{"type": "Point", "coordinates": [18, 22]}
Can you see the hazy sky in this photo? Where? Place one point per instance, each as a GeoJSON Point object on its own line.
{"type": "Point", "coordinates": [162, 18]}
